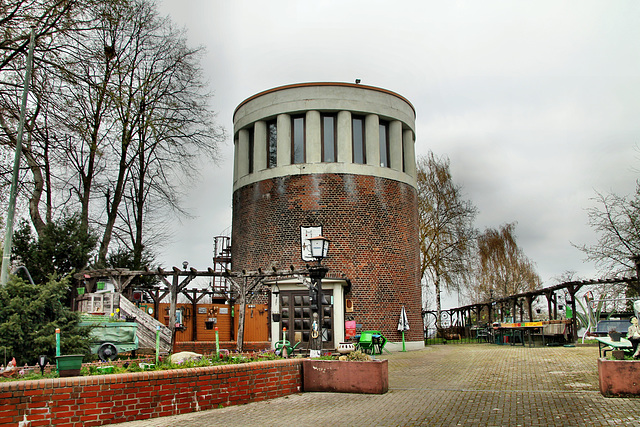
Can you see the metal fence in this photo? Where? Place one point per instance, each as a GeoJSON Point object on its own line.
{"type": "Point", "coordinates": [457, 335]}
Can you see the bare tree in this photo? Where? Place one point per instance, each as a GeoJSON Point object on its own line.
{"type": "Point", "coordinates": [50, 21]}
{"type": "Point", "coordinates": [164, 123]}
{"type": "Point", "coordinates": [617, 222]}
{"type": "Point", "coordinates": [47, 18]}
{"type": "Point", "coordinates": [174, 129]}
{"type": "Point", "coordinates": [503, 268]}
{"type": "Point", "coordinates": [119, 116]}
{"type": "Point", "coordinates": [85, 106]}
{"type": "Point", "coordinates": [446, 227]}
{"type": "Point", "coordinates": [36, 148]}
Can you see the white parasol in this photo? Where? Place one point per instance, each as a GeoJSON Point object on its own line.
{"type": "Point", "coordinates": [403, 325]}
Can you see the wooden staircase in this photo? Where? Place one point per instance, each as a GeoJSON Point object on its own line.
{"type": "Point", "coordinates": [147, 327]}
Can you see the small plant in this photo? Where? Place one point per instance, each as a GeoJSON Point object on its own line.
{"type": "Point", "coordinates": [115, 317]}
{"type": "Point", "coordinates": [614, 334]}
{"type": "Point", "coordinates": [358, 356]}
{"type": "Point", "coordinates": [147, 365]}
{"type": "Point", "coordinates": [329, 357]}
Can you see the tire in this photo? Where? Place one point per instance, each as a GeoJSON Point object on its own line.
{"type": "Point", "coordinates": [107, 351]}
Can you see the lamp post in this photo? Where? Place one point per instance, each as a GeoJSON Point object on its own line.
{"type": "Point", "coordinates": [490, 307]}
{"type": "Point", "coordinates": [319, 249]}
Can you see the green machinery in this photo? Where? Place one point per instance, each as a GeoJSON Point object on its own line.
{"type": "Point", "coordinates": [372, 342]}
{"type": "Point", "coordinates": [110, 337]}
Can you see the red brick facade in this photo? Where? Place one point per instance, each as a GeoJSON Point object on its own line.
{"type": "Point", "coordinates": [108, 399]}
{"type": "Point", "coordinates": [372, 223]}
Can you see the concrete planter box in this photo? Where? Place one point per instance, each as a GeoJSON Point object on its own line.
{"type": "Point", "coordinates": [619, 378]}
{"type": "Point", "coordinates": [345, 377]}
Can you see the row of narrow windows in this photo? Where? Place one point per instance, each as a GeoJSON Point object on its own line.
{"type": "Point", "coordinates": [328, 141]}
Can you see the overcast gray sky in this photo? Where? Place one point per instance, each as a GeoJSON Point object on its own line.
{"type": "Point", "coordinates": [537, 104]}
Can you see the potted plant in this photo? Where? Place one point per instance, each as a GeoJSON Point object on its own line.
{"type": "Point", "coordinates": [614, 334]}
{"type": "Point", "coordinates": [69, 365]}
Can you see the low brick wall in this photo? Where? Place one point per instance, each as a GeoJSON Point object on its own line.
{"type": "Point", "coordinates": [106, 399]}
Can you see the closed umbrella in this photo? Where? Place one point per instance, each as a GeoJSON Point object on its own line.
{"type": "Point", "coordinates": [403, 325]}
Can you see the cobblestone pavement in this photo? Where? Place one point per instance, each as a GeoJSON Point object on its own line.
{"type": "Point", "coordinates": [449, 385]}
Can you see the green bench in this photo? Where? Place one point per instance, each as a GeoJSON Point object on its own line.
{"type": "Point", "coordinates": [606, 344]}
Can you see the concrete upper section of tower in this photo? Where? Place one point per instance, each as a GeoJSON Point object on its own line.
{"type": "Point", "coordinates": [315, 128]}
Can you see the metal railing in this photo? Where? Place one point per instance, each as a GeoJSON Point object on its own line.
{"type": "Point", "coordinates": [457, 335]}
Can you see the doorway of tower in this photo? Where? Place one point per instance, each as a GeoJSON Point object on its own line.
{"type": "Point", "coordinates": [296, 316]}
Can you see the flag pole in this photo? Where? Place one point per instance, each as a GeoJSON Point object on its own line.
{"type": "Point", "coordinates": [8, 238]}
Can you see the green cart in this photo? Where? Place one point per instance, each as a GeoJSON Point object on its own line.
{"type": "Point", "coordinates": [371, 342]}
{"type": "Point", "coordinates": [109, 337]}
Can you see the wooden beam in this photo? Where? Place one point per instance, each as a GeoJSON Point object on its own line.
{"type": "Point", "coordinates": [209, 272]}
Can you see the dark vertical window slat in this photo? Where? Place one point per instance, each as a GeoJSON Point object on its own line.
{"type": "Point", "coordinates": [359, 154]}
{"type": "Point", "coordinates": [251, 150]}
{"type": "Point", "coordinates": [297, 140]}
{"type": "Point", "coordinates": [384, 144]}
{"type": "Point", "coordinates": [328, 138]}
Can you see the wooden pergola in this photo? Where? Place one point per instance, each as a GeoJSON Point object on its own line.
{"type": "Point", "coordinates": [524, 302]}
{"type": "Point", "coordinates": [175, 281]}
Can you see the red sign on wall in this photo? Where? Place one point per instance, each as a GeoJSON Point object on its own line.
{"type": "Point", "coordinates": [349, 329]}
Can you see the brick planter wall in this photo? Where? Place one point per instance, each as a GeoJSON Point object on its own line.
{"type": "Point", "coordinates": [372, 223]}
{"type": "Point", "coordinates": [107, 399]}
{"type": "Point", "coordinates": [346, 376]}
{"type": "Point", "coordinates": [619, 378]}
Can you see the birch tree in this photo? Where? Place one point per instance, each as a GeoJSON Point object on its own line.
{"type": "Point", "coordinates": [446, 228]}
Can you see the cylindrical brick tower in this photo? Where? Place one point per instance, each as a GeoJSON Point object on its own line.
{"type": "Point", "coordinates": [339, 157]}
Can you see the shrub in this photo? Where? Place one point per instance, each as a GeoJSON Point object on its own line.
{"type": "Point", "coordinates": [29, 316]}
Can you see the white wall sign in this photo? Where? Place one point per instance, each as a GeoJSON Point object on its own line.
{"type": "Point", "coordinates": [307, 233]}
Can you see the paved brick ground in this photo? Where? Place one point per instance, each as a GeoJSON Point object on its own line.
{"type": "Point", "coordinates": [450, 385]}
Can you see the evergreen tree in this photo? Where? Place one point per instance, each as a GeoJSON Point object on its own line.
{"type": "Point", "coordinates": [29, 316]}
{"type": "Point", "coordinates": [62, 248]}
